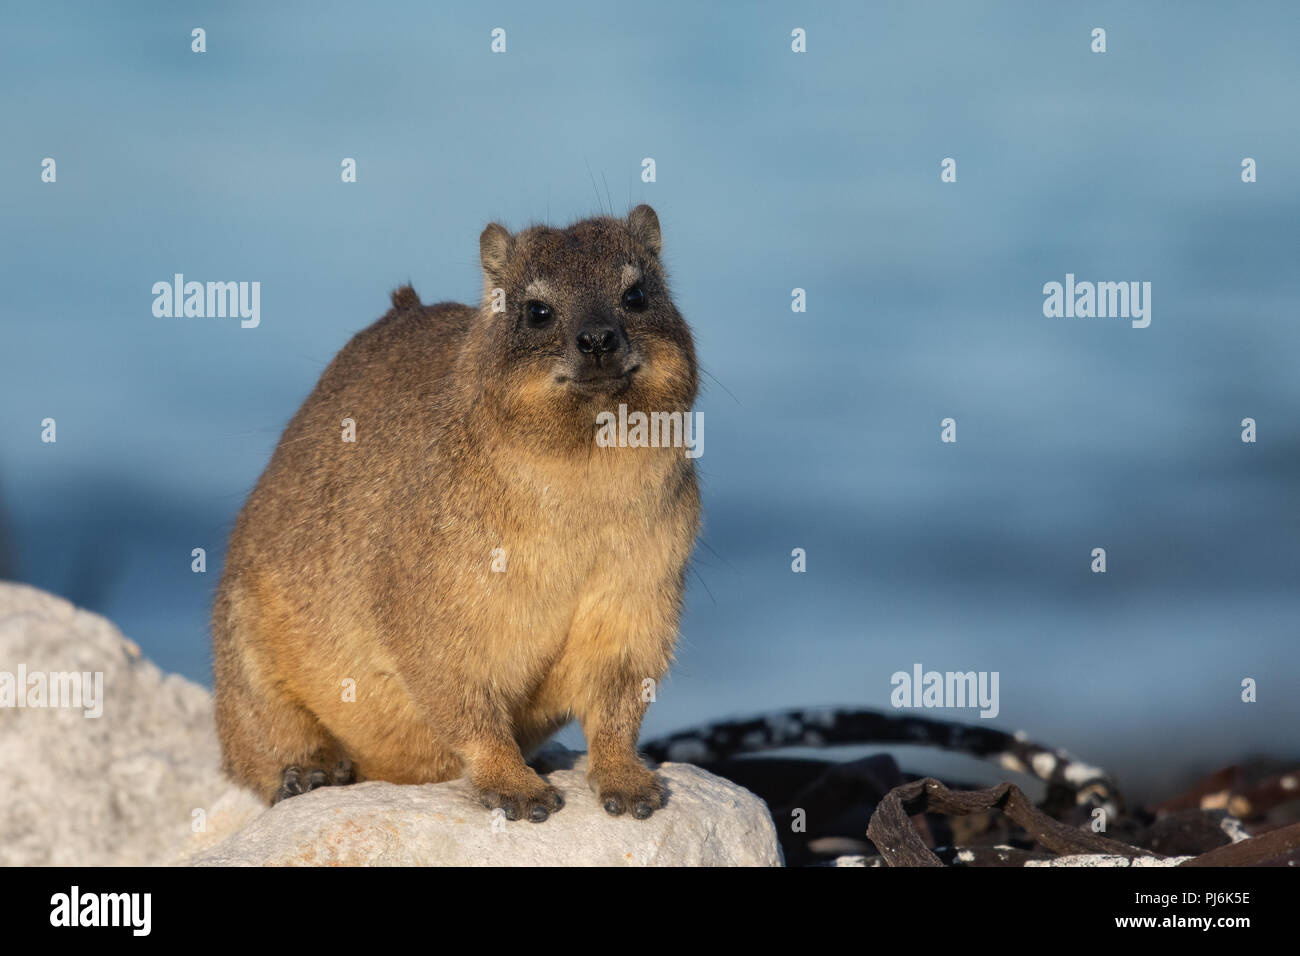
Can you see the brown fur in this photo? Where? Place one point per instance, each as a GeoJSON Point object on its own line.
{"type": "Point", "coordinates": [373, 560]}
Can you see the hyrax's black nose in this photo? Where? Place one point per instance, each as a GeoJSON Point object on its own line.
{"type": "Point", "coordinates": [597, 338]}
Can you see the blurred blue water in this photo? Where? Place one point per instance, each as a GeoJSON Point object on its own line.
{"type": "Point", "coordinates": [775, 170]}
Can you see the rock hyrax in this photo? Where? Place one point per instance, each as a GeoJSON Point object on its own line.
{"type": "Point", "coordinates": [441, 565]}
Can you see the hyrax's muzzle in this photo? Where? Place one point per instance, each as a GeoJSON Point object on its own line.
{"type": "Point", "coordinates": [602, 360]}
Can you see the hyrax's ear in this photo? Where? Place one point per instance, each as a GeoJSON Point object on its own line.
{"type": "Point", "coordinates": [494, 247]}
{"type": "Point", "coordinates": [644, 225]}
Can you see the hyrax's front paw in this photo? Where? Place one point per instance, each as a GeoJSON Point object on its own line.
{"type": "Point", "coordinates": [629, 787]}
{"type": "Point", "coordinates": [532, 802]}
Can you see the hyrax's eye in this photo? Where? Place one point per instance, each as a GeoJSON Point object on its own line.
{"type": "Point", "coordinates": [635, 299]}
{"type": "Point", "coordinates": [538, 314]}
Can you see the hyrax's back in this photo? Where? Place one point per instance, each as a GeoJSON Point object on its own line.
{"type": "Point", "coordinates": [292, 603]}
{"type": "Point", "coordinates": [440, 565]}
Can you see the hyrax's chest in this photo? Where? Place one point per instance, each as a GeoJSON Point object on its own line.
{"type": "Point", "coordinates": [563, 548]}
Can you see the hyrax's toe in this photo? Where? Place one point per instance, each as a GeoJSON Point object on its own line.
{"type": "Point", "coordinates": [295, 780]}
{"type": "Point", "coordinates": [534, 805]}
{"type": "Point", "coordinates": [640, 798]}
{"type": "Point", "coordinates": [291, 784]}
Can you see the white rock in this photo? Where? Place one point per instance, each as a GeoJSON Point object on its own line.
{"type": "Point", "coordinates": [123, 788]}
{"type": "Point", "coordinates": [88, 791]}
{"type": "Point", "coordinates": [708, 822]}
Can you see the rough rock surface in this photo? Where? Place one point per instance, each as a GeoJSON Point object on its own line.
{"type": "Point", "coordinates": [125, 788]}
{"type": "Point", "coordinates": [708, 822]}
{"type": "Point", "coordinates": [89, 791]}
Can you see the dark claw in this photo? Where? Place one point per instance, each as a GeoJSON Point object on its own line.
{"type": "Point", "coordinates": [295, 780]}
{"type": "Point", "coordinates": [640, 801]}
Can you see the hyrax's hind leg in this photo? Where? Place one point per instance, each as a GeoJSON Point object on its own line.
{"type": "Point", "coordinates": [269, 742]}
{"type": "Point", "coordinates": [275, 747]}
